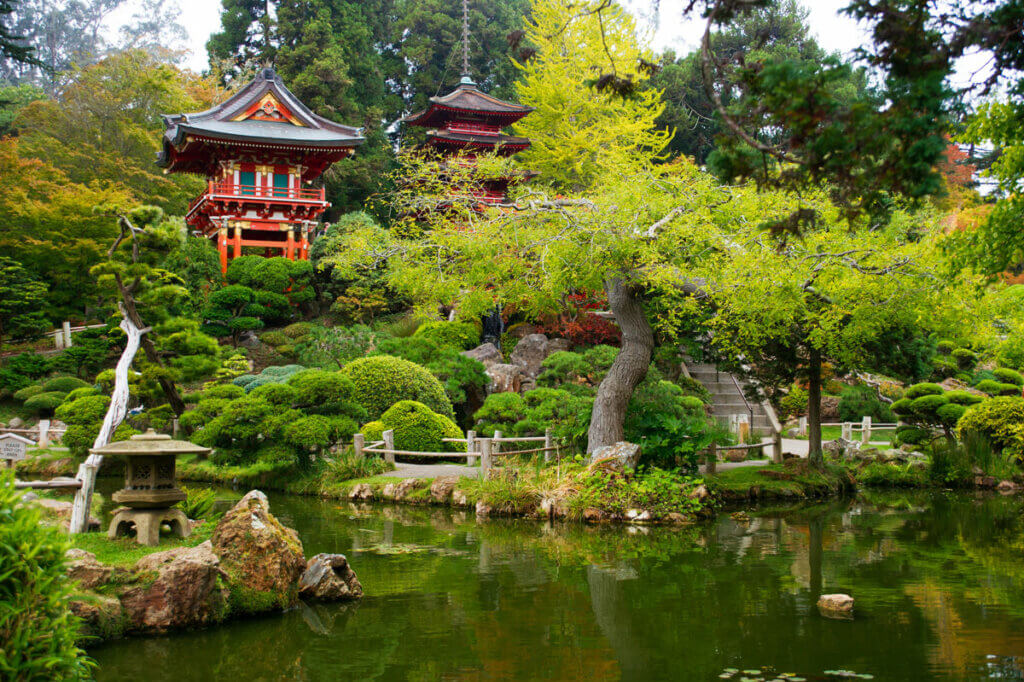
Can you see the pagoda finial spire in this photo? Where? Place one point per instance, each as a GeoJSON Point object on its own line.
{"type": "Point", "coordinates": [467, 79]}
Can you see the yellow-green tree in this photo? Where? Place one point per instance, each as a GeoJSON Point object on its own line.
{"type": "Point", "coordinates": [587, 55]}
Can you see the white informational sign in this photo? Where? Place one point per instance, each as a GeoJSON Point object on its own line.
{"type": "Point", "coordinates": [12, 447]}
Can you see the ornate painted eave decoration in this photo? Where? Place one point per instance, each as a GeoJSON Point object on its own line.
{"type": "Point", "coordinates": [263, 113]}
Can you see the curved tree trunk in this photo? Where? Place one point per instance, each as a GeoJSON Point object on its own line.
{"type": "Point", "coordinates": [116, 413]}
{"type": "Point", "coordinates": [628, 370]}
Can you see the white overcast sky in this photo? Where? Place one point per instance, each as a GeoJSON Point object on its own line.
{"type": "Point", "coordinates": [834, 31]}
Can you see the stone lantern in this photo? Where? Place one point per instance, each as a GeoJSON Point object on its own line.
{"type": "Point", "coordinates": [150, 489]}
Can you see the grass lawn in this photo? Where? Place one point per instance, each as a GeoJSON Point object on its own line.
{"type": "Point", "coordinates": [126, 551]}
{"type": "Point", "coordinates": [834, 432]}
{"type": "Point", "coordinates": [778, 481]}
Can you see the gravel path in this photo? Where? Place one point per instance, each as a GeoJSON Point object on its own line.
{"type": "Point", "coordinates": [432, 471]}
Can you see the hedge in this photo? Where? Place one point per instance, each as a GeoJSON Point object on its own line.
{"type": "Point", "coordinates": [416, 427]}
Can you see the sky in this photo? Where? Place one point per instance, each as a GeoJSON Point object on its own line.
{"type": "Point", "coordinates": [834, 32]}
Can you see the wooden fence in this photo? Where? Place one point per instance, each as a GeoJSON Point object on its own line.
{"type": "Point", "coordinates": [865, 427]}
{"type": "Point", "coordinates": [484, 449]}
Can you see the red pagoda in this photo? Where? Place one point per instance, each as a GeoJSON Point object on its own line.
{"type": "Point", "coordinates": [468, 121]}
{"type": "Point", "coordinates": [260, 151]}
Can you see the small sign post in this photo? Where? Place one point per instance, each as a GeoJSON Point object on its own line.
{"type": "Point", "coordinates": [12, 448]}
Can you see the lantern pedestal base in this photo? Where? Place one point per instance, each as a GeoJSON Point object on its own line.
{"type": "Point", "coordinates": [147, 524]}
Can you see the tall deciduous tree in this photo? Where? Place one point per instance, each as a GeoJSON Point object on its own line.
{"type": "Point", "coordinates": [784, 312]}
{"type": "Point", "coordinates": [582, 51]}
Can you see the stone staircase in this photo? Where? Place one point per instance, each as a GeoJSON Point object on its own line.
{"type": "Point", "coordinates": [728, 399]}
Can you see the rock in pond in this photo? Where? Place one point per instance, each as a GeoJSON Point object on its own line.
{"type": "Point", "coordinates": [838, 606]}
{"type": "Point", "coordinates": [328, 577]}
{"type": "Point", "coordinates": [618, 457]}
{"type": "Point", "coordinates": [263, 558]}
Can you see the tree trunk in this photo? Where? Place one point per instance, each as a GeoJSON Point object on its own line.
{"type": "Point", "coordinates": [115, 415]}
{"type": "Point", "coordinates": [628, 370]}
{"type": "Point", "coordinates": [814, 407]}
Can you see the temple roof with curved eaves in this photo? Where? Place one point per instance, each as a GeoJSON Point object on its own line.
{"type": "Point", "coordinates": [467, 99]}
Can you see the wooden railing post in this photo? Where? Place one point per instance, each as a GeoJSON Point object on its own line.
{"type": "Point", "coordinates": [470, 448]}
{"type": "Point", "coordinates": [711, 459]}
{"type": "Point", "coordinates": [389, 446]}
{"type": "Point", "coordinates": [847, 431]}
{"type": "Point", "coordinates": [358, 442]}
{"type": "Point", "coordinates": [548, 440]}
{"type": "Point", "coordinates": [777, 448]}
{"type": "Point", "coordinates": [44, 433]}
{"type": "Point", "coordinates": [802, 428]}
{"type": "Point", "coordinates": [485, 457]}
{"type": "Point", "coordinates": [495, 443]}
{"type": "Point", "coordinates": [865, 434]}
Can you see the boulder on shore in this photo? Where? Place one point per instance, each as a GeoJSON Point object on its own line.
{"type": "Point", "coordinates": [505, 378]}
{"type": "Point", "coordinates": [619, 457]}
{"type": "Point", "coordinates": [328, 577]}
{"type": "Point", "coordinates": [486, 353]}
{"type": "Point", "coordinates": [529, 353]}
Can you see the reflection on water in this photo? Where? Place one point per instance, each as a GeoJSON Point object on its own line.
{"type": "Point", "coordinates": [938, 579]}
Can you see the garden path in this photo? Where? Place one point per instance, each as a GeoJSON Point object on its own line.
{"type": "Point", "coordinates": [432, 471]}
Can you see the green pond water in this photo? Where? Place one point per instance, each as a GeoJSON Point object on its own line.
{"type": "Point", "coordinates": [938, 581]}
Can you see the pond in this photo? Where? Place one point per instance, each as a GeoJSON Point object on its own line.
{"type": "Point", "coordinates": [938, 580]}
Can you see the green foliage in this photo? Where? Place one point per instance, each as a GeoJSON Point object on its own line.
{"type": "Point", "coordinates": [320, 392]}
{"type": "Point", "coordinates": [857, 402]}
{"type": "Point", "coordinates": [298, 330]}
{"type": "Point", "coordinates": [31, 365]}
{"type": "Point", "coordinates": [37, 629]}
{"type": "Point", "coordinates": [197, 263]}
{"type": "Point", "coordinates": [22, 298]}
{"type": "Point", "coordinates": [275, 394]}
{"type": "Point", "coordinates": [381, 381]}
{"type": "Point", "coordinates": [274, 339]}
{"type": "Point", "coordinates": [913, 435]}
{"type": "Point", "coordinates": [964, 398]}
{"type": "Point", "coordinates": [418, 428]}
{"type": "Point", "coordinates": [1009, 376]}
{"type": "Point", "coordinates": [500, 412]}
{"type": "Point", "coordinates": [884, 475]}
{"type": "Point", "coordinates": [463, 378]}
{"type": "Point", "coordinates": [793, 403]}
{"type": "Point", "coordinates": [579, 372]}
{"type": "Point", "coordinates": [461, 335]}
{"type": "Point", "coordinates": [347, 467]}
{"type": "Point", "coordinates": [231, 311]}
{"type": "Point", "coordinates": [693, 387]}
{"type": "Point", "coordinates": [44, 403]}
{"type": "Point", "coordinates": [332, 347]}
{"type": "Point", "coordinates": [965, 358]}
{"type": "Point", "coordinates": [12, 381]}
{"type": "Point", "coordinates": [64, 384]}
{"type": "Point", "coordinates": [670, 427]}
{"type": "Point", "coordinates": [918, 390]}
{"type": "Point", "coordinates": [28, 392]}
{"type": "Point", "coordinates": [658, 490]}
{"type": "Point", "coordinates": [198, 502]}
{"type": "Point", "coordinates": [997, 388]}
{"type": "Point", "coordinates": [84, 417]}
{"type": "Point", "coordinates": [531, 414]}
{"type": "Point", "coordinates": [1000, 421]}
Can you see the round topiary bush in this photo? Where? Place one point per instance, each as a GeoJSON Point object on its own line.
{"type": "Point", "coordinates": [461, 335]}
{"type": "Point", "coordinates": [950, 413]}
{"type": "Point", "coordinates": [912, 435]}
{"type": "Point", "coordinates": [997, 388]}
{"type": "Point", "coordinates": [45, 402]}
{"type": "Point", "coordinates": [274, 339]}
{"type": "Point", "coordinates": [275, 394]}
{"type": "Point", "coordinates": [298, 330]}
{"type": "Point", "coordinates": [227, 391]}
{"type": "Point", "coordinates": [63, 384]}
{"type": "Point", "coordinates": [244, 380]}
{"type": "Point", "coordinates": [1009, 376]}
{"type": "Point", "coordinates": [383, 380]}
{"type": "Point", "coordinates": [918, 390]}
{"type": "Point", "coordinates": [963, 398]}
{"type": "Point", "coordinates": [926, 405]}
{"type": "Point", "coordinates": [27, 392]}
{"type": "Point", "coordinates": [999, 420]}
{"type": "Point", "coordinates": [373, 431]}
{"type": "Point", "coordinates": [326, 393]}
{"type": "Point", "coordinates": [419, 428]}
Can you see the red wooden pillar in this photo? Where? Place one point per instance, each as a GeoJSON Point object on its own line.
{"type": "Point", "coordinates": [222, 249]}
{"type": "Point", "coordinates": [237, 250]}
{"type": "Point", "coordinates": [304, 245]}
{"type": "Point", "coordinates": [289, 249]}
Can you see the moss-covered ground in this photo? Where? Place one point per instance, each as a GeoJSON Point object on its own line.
{"type": "Point", "coordinates": [795, 479]}
{"type": "Point", "coordinates": [126, 551]}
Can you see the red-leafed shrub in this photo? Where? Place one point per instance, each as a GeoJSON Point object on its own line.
{"type": "Point", "coordinates": [578, 323]}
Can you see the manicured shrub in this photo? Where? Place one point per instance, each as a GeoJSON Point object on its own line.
{"type": "Point", "coordinates": [1009, 376]}
{"type": "Point", "coordinates": [945, 346]}
{"type": "Point", "coordinates": [80, 393]}
{"type": "Point", "coordinates": [963, 397]}
{"type": "Point", "coordinates": [982, 375]}
{"type": "Point", "coordinates": [244, 380]}
{"type": "Point", "coordinates": [902, 407]}
{"type": "Point", "coordinates": [373, 431]}
{"type": "Point", "coordinates": [857, 402]}
{"type": "Point", "coordinates": [298, 329]}
{"type": "Point", "coordinates": [693, 387]}
{"type": "Point", "coordinates": [1000, 420]}
{"type": "Point", "coordinates": [309, 433]}
{"type": "Point", "coordinates": [43, 403]}
{"type": "Point", "coordinates": [419, 428]}
{"type": "Point", "coordinates": [383, 380]}
{"type": "Point", "coordinates": [461, 335]}
{"type": "Point", "coordinates": [27, 392]}
{"type": "Point", "coordinates": [997, 388]}
{"type": "Point", "coordinates": [918, 390]}
{"type": "Point", "coordinates": [944, 366]}
{"type": "Point", "coordinates": [30, 365]}
{"type": "Point", "coordinates": [332, 347]}
{"type": "Point", "coordinates": [462, 377]}
{"type": "Point", "coordinates": [320, 392]}
{"type": "Point", "coordinates": [37, 628]}
{"type": "Point", "coordinates": [500, 412]}
{"type": "Point", "coordinates": [669, 426]}
{"type": "Point", "coordinates": [949, 413]}
{"type": "Point", "coordinates": [912, 435]}
{"type": "Point", "coordinates": [926, 405]}
{"type": "Point", "coordinates": [965, 358]}
{"type": "Point", "coordinates": [12, 381]}
{"type": "Point", "coordinates": [275, 394]}
{"type": "Point", "coordinates": [577, 372]}
{"type": "Point", "coordinates": [794, 403]}
{"type": "Point", "coordinates": [228, 391]}
{"type": "Point", "coordinates": [274, 338]}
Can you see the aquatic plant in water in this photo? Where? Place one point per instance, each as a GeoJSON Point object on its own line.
{"type": "Point", "coordinates": [768, 674]}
